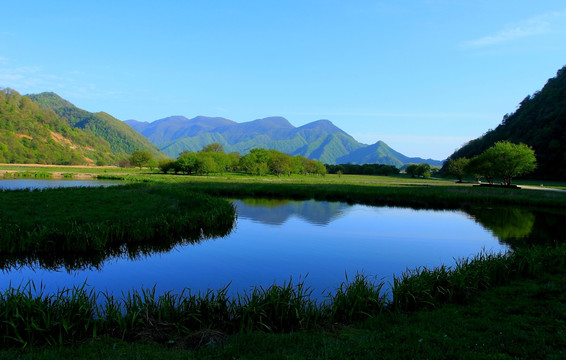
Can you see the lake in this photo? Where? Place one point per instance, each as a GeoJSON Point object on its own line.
{"type": "Point", "coordinates": [321, 243]}
{"type": "Point", "coordinates": [14, 184]}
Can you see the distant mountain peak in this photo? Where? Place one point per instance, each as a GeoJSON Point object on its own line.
{"type": "Point", "coordinates": [274, 121]}
{"type": "Point", "coordinates": [323, 124]}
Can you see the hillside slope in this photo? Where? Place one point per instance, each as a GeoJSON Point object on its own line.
{"type": "Point", "coordinates": [122, 138]}
{"type": "Point", "coordinates": [540, 121]}
{"type": "Point", "coordinates": [30, 133]}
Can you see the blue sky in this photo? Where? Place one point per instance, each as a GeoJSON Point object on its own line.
{"type": "Point", "coordinates": [425, 76]}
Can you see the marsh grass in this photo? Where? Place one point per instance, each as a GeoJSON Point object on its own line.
{"type": "Point", "coordinates": [30, 317]}
{"type": "Point", "coordinates": [28, 175]}
{"type": "Point", "coordinates": [358, 300]}
{"type": "Point", "coordinates": [80, 226]}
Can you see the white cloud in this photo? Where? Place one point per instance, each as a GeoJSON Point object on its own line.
{"type": "Point", "coordinates": [537, 25]}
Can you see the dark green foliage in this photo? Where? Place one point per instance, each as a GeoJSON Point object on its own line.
{"type": "Point", "coordinates": [539, 122]}
{"type": "Point", "coordinates": [32, 134]}
{"type": "Point", "coordinates": [121, 137]}
{"type": "Point", "coordinates": [458, 168]}
{"type": "Point", "coordinates": [365, 169]}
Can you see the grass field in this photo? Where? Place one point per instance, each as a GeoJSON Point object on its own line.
{"type": "Point", "coordinates": [486, 307]}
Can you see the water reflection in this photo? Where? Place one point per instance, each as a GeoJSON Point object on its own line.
{"type": "Point", "coordinates": [506, 223]}
{"type": "Point", "coordinates": [277, 212]}
{"type": "Point", "coordinates": [19, 184]}
{"type": "Point", "coordinates": [96, 260]}
{"type": "Point", "coordinates": [278, 239]}
{"type": "Point", "coordinates": [511, 225]}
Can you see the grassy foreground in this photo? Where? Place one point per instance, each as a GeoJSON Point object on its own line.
{"type": "Point", "coordinates": [487, 307]}
{"type": "Point", "coordinates": [519, 314]}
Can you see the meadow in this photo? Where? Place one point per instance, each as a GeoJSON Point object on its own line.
{"type": "Point", "coordinates": [358, 320]}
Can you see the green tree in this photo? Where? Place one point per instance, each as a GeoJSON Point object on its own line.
{"type": "Point", "coordinates": [483, 165]}
{"type": "Point", "coordinates": [423, 170]}
{"type": "Point", "coordinates": [458, 167]}
{"type": "Point", "coordinates": [512, 160]}
{"type": "Point", "coordinates": [213, 147]}
{"type": "Point", "coordinates": [187, 162]}
{"type": "Point", "coordinates": [206, 164]}
{"type": "Point", "coordinates": [279, 163]}
{"type": "Point", "coordinates": [411, 170]}
{"type": "Point", "coordinates": [140, 158]}
{"type": "Point", "coordinates": [165, 165]}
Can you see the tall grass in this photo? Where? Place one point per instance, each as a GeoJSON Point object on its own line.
{"type": "Point", "coordinates": [79, 227]}
{"type": "Point", "coordinates": [30, 317]}
{"type": "Point", "coordinates": [28, 175]}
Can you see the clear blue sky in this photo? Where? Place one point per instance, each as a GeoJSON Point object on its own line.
{"type": "Point", "coordinates": [425, 76]}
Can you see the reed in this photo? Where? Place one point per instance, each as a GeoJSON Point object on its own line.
{"type": "Point", "coordinates": [358, 300]}
{"type": "Point", "coordinates": [28, 316]}
{"type": "Point", "coordinates": [423, 288]}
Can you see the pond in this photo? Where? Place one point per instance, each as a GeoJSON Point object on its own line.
{"type": "Point", "coordinates": [321, 243]}
{"type": "Point", "coordinates": [13, 184]}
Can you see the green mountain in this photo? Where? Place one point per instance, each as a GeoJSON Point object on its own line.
{"type": "Point", "coordinates": [320, 140]}
{"type": "Point", "coordinates": [122, 138]}
{"type": "Point", "coordinates": [381, 153]}
{"type": "Point", "coordinates": [540, 121]}
{"type": "Point", "coordinates": [176, 127]}
{"type": "Point", "coordinates": [30, 133]}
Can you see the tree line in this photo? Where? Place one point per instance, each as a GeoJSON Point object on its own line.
{"type": "Point", "coordinates": [365, 169]}
{"type": "Point", "coordinates": [213, 159]}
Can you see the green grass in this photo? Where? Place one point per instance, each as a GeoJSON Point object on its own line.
{"type": "Point", "coordinates": [488, 306]}
{"type": "Point", "coordinates": [529, 324]}
{"type": "Point", "coordinates": [78, 227]}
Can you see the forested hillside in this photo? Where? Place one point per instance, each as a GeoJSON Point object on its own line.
{"type": "Point", "coordinates": [30, 133]}
{"type": "Point", "coordinates": [121, 137]}
{"type": "Point", "coordinates": [540, 121]}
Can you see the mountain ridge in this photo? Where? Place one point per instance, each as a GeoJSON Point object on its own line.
{"type": "Point", "coordinates": [33, 134]}
{"type": "Point", "coordinates": [122, 138]}
{"type": "Point", "coordinates": [320, 140]}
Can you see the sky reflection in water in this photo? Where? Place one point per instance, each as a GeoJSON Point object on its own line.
{"type": "Point", "coordinates": [277, 240]}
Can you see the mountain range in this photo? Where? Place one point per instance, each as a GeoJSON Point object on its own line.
{"type": "Point", "coordinates": [540, 122]}
{"type": "Point", "coordinates": [320, 140]}
{"type": "Point", "coordinates": [45, 128]}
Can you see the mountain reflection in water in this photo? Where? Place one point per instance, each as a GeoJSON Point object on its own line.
{"type": "Point", "coordinates": [314, 212]}
{"type": "Point", "coordinates": [275, 240]}
{"type": "Point", "coordinates": [511, 225]}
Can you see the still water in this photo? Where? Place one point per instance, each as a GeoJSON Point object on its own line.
{"type": "Point", "coordinates": [276, 240]}
{"type": "Point", "coordinates": [15, 184]}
